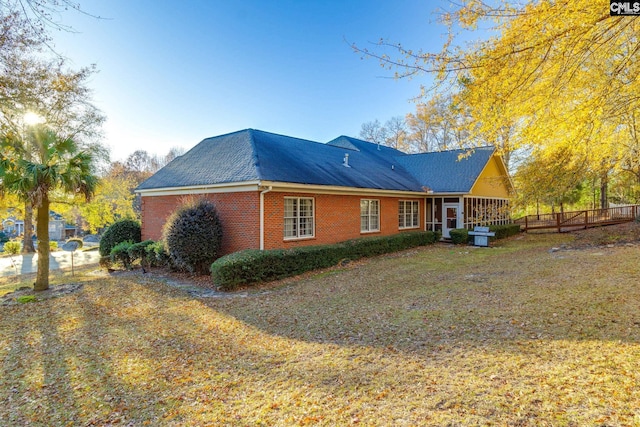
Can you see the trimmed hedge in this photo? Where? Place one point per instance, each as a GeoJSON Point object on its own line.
{"type": "Point", "coordinates": [252, 265]}
{"type": "Point", "coordinates": [459, 236]}
{"type": "Point", "coordinates": [120, 254]}
{"type": "Point", "coordinates": [504, 231]}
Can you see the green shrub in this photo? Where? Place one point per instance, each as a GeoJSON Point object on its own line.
{"type": "Point", "coordinates": [53, 245]}
{"type": "Point", "coordinates": [193, 236]}
{"type": "Point", "coordinates": [252, 265]}
{"type": "Point", "coordinates": [13, 247]}
{"type": "Point", "coordinates": [504, 231]}
{"type": "Point", "coordinates": [120, 231]}
{"type": "Point", "coordinates": [459, 236]}
{"type": "Point", "coordinates": [3, 237]}
{"type": "Point", "coordinates": [138, 251]}
{"type": "Point", "coordinates": [120, 254]}
{"type": "Point", "coordinates": [156, 255]}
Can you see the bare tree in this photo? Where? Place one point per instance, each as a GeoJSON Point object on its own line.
{"type": "Point", "coordinates": [396, 133]}
{"type": "Point", "coordinates": [373, 132]}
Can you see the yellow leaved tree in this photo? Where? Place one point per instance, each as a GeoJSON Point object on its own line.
{"type": "Point", "coordinates": [548, 76]}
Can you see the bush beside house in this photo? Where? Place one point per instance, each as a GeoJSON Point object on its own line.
{"type": "Point", "coordinates": [252, 265]}
{"type": "Point", "coordinates": [460, 236]}
{"type": "Point", "coordinates": [193, 236]}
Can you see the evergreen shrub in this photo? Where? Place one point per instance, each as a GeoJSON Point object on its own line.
{"type": "Point", "coordinates": [252, 265]}
{"type": "Point", "coordinates": [124, 230]}
{"type": "Point", "coordinates": [120, 254]}
{"type": "Point", "coordinates": [504, 231]}
{"type": "Point", "coordinates": [459, 236]}
{"type": "Point", "coordinates": [193, 236]}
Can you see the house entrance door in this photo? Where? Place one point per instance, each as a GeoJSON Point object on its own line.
{"type": "Point", "coordinates": [450, 219]}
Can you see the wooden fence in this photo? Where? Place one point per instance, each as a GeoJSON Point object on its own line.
{"type": "Point", "coordinates": [567, 221]}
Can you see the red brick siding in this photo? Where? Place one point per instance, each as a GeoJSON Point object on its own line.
{"type": "Point", "coordinates": [239, 214]}
{"type": "Point", "coordinates": [337, 218]}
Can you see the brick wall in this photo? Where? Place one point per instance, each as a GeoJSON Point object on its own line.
{"type": "Point", "coordinates": [337, 218]}
{"type": "Point", "coordinates": [239, 214]}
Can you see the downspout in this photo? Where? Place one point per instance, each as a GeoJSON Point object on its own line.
{"type": "Point", "coordinates": [262, 193]}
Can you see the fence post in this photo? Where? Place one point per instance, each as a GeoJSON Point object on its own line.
{"type": "Point", "coordinates": [558, 222]}
{"type": "Point", "coordinates": [586, 219]}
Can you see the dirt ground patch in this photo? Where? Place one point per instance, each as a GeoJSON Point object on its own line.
{"type": "Point", "coordinates": [614, 234]}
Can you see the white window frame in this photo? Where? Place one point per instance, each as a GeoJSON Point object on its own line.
{"type": "Point", "coordinates": [298, 220]}
{"type": "Point", "coordinates": [369, 216]}
{"type": "Point", "coordinates": [412, 214]}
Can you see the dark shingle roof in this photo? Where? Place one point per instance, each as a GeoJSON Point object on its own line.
{"type": "Point", "coordinates": [452, 171]}
{"type": "Point", "coordinates": [218, 160]}
{"type": "Point", "coordinates": [252, 155]}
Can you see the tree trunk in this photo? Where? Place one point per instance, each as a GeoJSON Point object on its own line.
{"type": "Point", "coordinates": [604, 191]}
{"type": "Point", "coordinates": [27, 241]}
{"type": "Point", "coordinates": [42, 233]}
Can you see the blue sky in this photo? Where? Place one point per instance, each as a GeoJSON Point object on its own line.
{"type": "Point", "coordinates": [173, 73]}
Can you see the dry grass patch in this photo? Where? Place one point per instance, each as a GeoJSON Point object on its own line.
{"type": "Point", "coordinates": [510, 335]}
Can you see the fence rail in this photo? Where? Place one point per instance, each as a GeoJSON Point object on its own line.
{"type": "Point", "coordinates": [566, 221]}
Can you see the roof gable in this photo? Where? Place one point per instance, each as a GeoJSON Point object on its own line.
{"type": "Point", "coordinates": [453, 171]}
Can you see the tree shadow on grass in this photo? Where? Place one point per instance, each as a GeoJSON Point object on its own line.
{"type": "Point", "coordinates": [497, 300]}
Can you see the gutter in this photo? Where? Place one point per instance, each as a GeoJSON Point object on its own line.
{"type": "Point", "coordinates": [262, 193]}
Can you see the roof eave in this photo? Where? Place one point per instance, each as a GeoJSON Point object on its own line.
{"type": "Point", "coordinates": [227, 187]}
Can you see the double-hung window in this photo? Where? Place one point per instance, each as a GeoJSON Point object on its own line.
{"type": "Point", "coordinates": [298, 217]}
{"type": "Point", "coordinates": [369, 215]}
{"type": "Point", "coordinates": [408, 214]}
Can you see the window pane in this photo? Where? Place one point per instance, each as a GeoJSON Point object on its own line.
{"type": "Point", "coordinates": [290, 208]}
{"type": "Point", "coordinates": [374, 207]}
{"type": "Point", "coordinates": [364, 207]}
{"type": "Point", "coordinates": [289, 227]}
{"type": "Point", "coordinates": [306, 207]}
{"type": "Point", "coordinates": [306, 227]}
{"type": "Point", "coordinates": [364, 223]}
{"type": "Point", "coordinates": [374, 222]}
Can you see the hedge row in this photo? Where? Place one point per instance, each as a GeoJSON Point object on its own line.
{"type": "Point", "coordinates": [504, 231]}
{"type": "Point", "coordinates": [250, 266]}
{"type": "Point", "coordinates": [461, 236]}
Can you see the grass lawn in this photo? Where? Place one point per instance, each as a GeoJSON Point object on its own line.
{"type": "Point", "coordinates": [443, 335]}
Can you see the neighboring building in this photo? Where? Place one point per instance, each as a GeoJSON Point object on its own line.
{"type": "Point", "coordinates": [274, 191]}
{"type": "Point", "coordinates": [57, 227]}
{"type": "Point", "coordinates": [13, 227]}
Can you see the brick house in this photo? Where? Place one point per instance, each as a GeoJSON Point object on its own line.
{"type": "Point", "coordinates": [274, 191]}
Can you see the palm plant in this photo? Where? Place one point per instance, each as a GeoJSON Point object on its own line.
{"type": "Point", "coordinates": [55, 163]}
